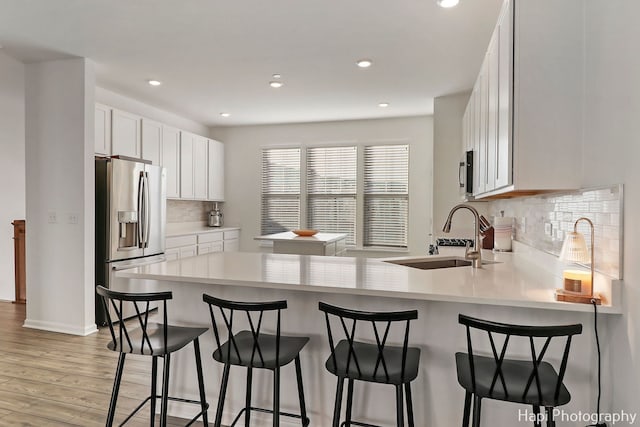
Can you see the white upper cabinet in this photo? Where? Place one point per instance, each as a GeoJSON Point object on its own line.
{"type": "Point", "coordinates": [200, 161]}
{"type": "Point", "coordinates": [171, 159]}
{"type": "Point", "coordinates": [102, 139]}
{"type": "Point", "coordinates": [524, 115]}
{"type": "Point", "coordinates": [152, 141]}
{"type": "Point", "coordinates": [186, 165]}
{"type": "Point", "coordinates": [216, 171]}
{"type": "Point", "coordinates": [125, 134]}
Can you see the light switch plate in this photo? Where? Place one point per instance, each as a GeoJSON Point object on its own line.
{"type": "Point", "coordinates": [548, 229]}
{"type": "Point", "coordinates": [52, 217]}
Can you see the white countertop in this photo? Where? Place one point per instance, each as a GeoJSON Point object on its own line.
{"type": "Point", "coordinates": [290, 236]}
{"type": "Point", "coordinates": [511, 281]}
{"type": "Point", "coordinates": [186, 228]}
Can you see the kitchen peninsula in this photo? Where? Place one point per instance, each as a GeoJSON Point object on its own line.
{"type": "Point", "coordinates": [289, 242]}
{"type": "Point", "coordinates": [512, 289]}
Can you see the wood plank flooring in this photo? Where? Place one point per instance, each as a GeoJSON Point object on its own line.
{"type": "Point", "coordinates": [52, 379]}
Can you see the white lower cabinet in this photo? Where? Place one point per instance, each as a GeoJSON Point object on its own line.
{"type": "Point", "coordinates": [227, 240]}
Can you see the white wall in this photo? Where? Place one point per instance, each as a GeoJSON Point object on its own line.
{"type": "Point", "coordinates": [242, 160]}
{"type": "Point", "coordinates": [60, 178]}
{"type": "Point", "coordinates": [131, 105]}
{"type": "Point", "coordinates": [611, 153]}
{"type": "Point", "coordinates": [12, 165]}
{"type": "Point", "coordinates": [447, 154]}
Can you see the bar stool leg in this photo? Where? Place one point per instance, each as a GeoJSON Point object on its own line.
{"type": "Point", "coordinates": [467, 409]}
{"type": "Point", "coordinates": [247, 405]}
{"type": "Point", "coordinates": [223, 392]}
{"type": "Point", "coordinates": [337, 406]}
{"type": "Point", "coordinates": [477, 403]}
{"type": "Point", "coordinates": [536, 412]}
{"type": "Point", "coordinates": [349, 402]}
{"type": "Point", "coordinates": [399, 407]}
{"type": "Point", "coordinates": [407, 389]}
{"type": "Point", "coordinates": [276, 397]}
{"type": "Point", "coordinates": [114, 391]}
{"type": "Point", "coordinates": [165, 390]}
{"type": "Point", "coordinates": [550, 421]}
{"type": "Point", "coordinates": [154, 388]}
{"type": "Point", "coordinates": [303, 407]}
{"type": "Point", "coordinates": [203, 397]}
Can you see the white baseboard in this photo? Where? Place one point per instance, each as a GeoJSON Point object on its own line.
{"type": "Point", "coordinates": [60, 327]}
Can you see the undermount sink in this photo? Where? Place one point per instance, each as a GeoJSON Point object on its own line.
{"type": "Point", "coordinates": [431, 264]}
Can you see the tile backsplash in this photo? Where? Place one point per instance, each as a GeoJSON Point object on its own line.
{"type": "Point", "coordinates": [542, 221]}
{"type": "Point", "coordinates": [188, 210]}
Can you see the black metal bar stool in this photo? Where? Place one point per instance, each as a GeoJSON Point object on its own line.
{"type": "Point", "coordinates": [255, 349]}
{"type": "Point", "coordinates": [150, 339]}
{"type": "Point", "coordinates": [532, 382]}
{"type": "Point", "coordinates": [371, 362]}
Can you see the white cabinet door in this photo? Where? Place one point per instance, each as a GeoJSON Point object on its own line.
{"type": "Point", "coordinates": [216, 171]}
{"type": "Point", "coordinates": [232, 245]}
{"type": "Point", "coordinates": [125, 134]}
{"type": "Point", "coordinates": [186, 165]}
{"type": "Point", "coordinates": [102, 138]}
{"type": "Point", "coordinates": [187, 251]}
{"type": "Point", "coordinates": [493, 62]}
{"type": "Point", "coordinates": [152, 141]}
{"type": "Point", "coordinates": [200, 161]}
{"type": "Point", "coordinates": [504, 146]}
{"type": "Point", "coordinates": [171, 160]}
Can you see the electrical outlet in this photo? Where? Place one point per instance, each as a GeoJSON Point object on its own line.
{"type": "Point", "coordinates": [548, 229]}
{"type": "Point", "coordinates": [52, 217]}
{"type": "Point", "coordinates": [72, 218]}
{"type": "Point", "coordinates": [523, 221]}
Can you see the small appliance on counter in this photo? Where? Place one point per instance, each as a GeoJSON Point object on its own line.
{"type": "Point", "coordinates": [215, 217]}
{"type": "Point", "coordinates": [503, 226]}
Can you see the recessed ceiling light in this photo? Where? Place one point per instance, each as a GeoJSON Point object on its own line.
{"type": "Point", "coordinates": [364, 63]}
{"type": "Point", "coordinates": [447, 3]}
{"type": "Point", "coordinates": [383, 105]}
{"type": "Point", "coordinates": [277, 76]}
{"type": "Point", "coordinates": [225, 114]}
{"type": "Point", "coordinates": [275, 84]}
{"type": "Point", "coordinates": [154, 82]}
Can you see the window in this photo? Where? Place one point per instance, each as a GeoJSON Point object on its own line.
{"type": "Point", "coordinates": [359, 190]}
{"type": "Point", "coordinates": [386, 195]}
{"type": "Point", "coordinates": [280, 190]}
{"type": "Point", "coordinates": [331, 190]}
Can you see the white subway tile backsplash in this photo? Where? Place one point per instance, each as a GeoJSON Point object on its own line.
{"type": "Point", "coordinates": [603, 206]}
{"type": "Point", "coordinates": [188, 210]}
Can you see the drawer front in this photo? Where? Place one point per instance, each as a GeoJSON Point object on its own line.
{"type": "Point", "coordinates": [179, 241]}
{"type": "Point", "coordinates": [210, 237]}
{"type": "Point", "coordinates": [188, 251]}
{"type": "Point", "coordinates": [232, 245]}
{"type": "Point", "coordinates": [231, 234]}
{"type": "Point", "coordinates": [172, 254]}
{"type": "Point", "coordinates": [210, 247]}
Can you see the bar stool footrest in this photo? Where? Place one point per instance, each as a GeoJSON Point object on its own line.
{"type": "Point", "coordinates": [269, 411]}
{"type": "Point", "coordinates": [358, 423]}
{"type": "Point", "coordinates": [175, 399]}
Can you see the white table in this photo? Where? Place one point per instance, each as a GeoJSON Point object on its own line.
{"type": "Point", "coordinates": [318, 244]}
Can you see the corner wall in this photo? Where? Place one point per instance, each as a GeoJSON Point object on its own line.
{"type": "Point", "coordinates": [12, 166]}
{"type": "Point", "coordinates": [60, 180]}
{"type": "Point", "coordinates": [610, 156]}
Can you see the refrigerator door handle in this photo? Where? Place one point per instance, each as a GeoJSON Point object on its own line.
{"type": "Point", "coordinates": [141, 213]}
{"type": "Point", "coordinates": [146, 210]}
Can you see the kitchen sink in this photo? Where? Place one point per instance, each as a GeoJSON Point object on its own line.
{"type": "Point", "coordinates": [431, 264]}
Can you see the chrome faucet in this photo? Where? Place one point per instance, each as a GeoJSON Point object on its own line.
{"type": "Point", "coordinates": [474, 256]}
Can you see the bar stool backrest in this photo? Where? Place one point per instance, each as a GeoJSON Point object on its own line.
{"type": "Point", "coordinates": [380, 323]}
{"type": "Point", "coordinates": [528, 332]}
{"type": "Point", "coordinates": [255, 314]}
{"type": "Point", "coordinates": [121, 333]}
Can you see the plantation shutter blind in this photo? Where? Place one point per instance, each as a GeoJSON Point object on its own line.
{"type": "Point", "coordinates": [280, 210]}
{"type": "Point", "coordinates": [331, 190]}
{"type": "Point", "coordinates": [386, 195]}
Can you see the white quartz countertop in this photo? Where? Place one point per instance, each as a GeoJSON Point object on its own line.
{"type": "Point", "coordinates": [184, 229]}
{"type": "Point", "coordinates": [511, 281]}
{"type": "Point", "coordinates": [290, 236]}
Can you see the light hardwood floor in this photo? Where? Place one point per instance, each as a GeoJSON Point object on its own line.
{"type": "Point", "coordinates": [51, 379]}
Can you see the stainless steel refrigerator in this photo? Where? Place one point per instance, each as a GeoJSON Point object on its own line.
{"type": "Point", "coordinates": [130, 219]}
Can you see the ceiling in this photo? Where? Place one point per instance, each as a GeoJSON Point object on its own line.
{"type": "Point", "coordinates": [215, 56]}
